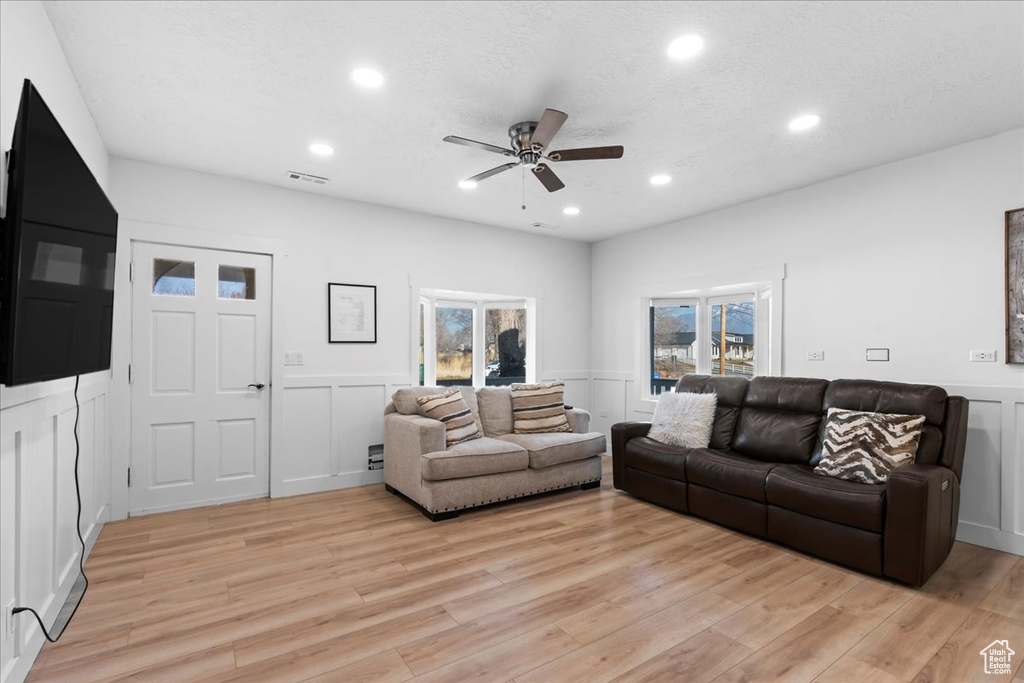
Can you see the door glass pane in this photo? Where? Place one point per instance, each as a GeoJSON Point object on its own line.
{"type": "Point", "coordinates": [174, 278]}
{"type": "Point", "coordinates": [235, 282]}
{"type": "Point", "coordinates": [673, 344]}
{"type": "Point", "coordinates": [505, 336]}
{"type": "Point", "coordinates": [454, 346]}
{"type": "Point", "coordinates": [735, 321]}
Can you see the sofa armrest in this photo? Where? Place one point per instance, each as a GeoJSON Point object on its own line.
{"type": "Point", "coordinates": [579, 420]}
{"type": "Point", "coordinates": [406, 438]}
{"type": "Point", "coordinates": [621, 433]}
{"type": "Point", "coordinates": [920, 524]}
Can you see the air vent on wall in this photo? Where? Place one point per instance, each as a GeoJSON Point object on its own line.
{"type": "Point", "coordinates": [307, 178]}
{"type": "Point", "coordinates": [543, 226]}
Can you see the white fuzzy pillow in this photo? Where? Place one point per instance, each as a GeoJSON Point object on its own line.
{"type": "Point", "coordinates": [684, 419]}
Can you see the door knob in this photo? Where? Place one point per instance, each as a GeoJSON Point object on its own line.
{"type": "Point", "coordinates": [258, 386]}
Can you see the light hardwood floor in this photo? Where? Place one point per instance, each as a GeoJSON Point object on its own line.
{"type": "Point", "coordinates": [356, 585]}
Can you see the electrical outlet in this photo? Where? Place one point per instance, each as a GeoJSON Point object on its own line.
{"type": "Point", "coordinates": [815, 355]}
{"type": "Point", "coordinates": [602, 413]}
{"type": "Point", "coordinates": [983, 356]}
{"type": "Point", "coordinates": [9, 621]}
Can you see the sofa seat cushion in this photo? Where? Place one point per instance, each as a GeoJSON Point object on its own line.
{"type": "Point", "coordinates": [473, 458]}
{"type": "Point", "coordinates": [645, 454]}
{"type": "Point", "coordinates": [728, 472]}
{"type": "Point", "coordinates": [798, 488]}
{"type": "Point", "coordinates": [555, 448]}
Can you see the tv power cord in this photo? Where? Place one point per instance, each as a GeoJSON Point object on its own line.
{"type": "Point", "coordinates": [78, 528]}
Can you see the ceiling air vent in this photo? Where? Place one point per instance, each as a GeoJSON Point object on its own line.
{"type": "Point", "coordinates": [543, 226]}
{"type": "Point", "coordinates": [307, 178]}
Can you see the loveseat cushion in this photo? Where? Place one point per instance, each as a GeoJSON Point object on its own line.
{"type": "Point", "coordinates": [473, 458]}
{"type": "Point", "coordinates": [890, 397]}
{"type": "Point", "coordinates": [549, 449]}
{"type": "Point", "coordinates": [728, 472]}
{"type": "Point", "coordinates": [645, 454]}
{"type": "Point", "coordinates": [495, 410]}
{"type": "Point", "coordinates": [798, 488]}
{"type": "Point", "coordinates": [730, 392]}
{"type": "Point", "coordinates": [780, 419]}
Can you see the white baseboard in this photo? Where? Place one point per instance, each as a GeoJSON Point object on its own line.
{"type": "Point", "coordinates": [977, 534]}
{"type": "Point", "coordinates": [298, 487]}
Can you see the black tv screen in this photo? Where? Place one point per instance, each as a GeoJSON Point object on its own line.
{"type": "Point", "coordinates": [59, 239]}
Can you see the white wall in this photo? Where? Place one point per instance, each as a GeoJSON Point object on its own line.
{"type": "Point", "coordinates": [333, 405]}
{"type": "Point", "coordinates": [38, 543]}
{"type": "Point", "coordinates": [908, 256]}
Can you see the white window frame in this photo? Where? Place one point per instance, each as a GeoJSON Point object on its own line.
{"type": "Point", "coordinates": [764, 285]}
{"type": "Point", "coordinates": [479, 307]}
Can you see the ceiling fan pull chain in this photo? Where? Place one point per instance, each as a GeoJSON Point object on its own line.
{"type": "Point", "coordinates": [524, 188]}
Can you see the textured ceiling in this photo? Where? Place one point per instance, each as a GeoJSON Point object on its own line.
{"type": "Point", "coordinates": [242, 89]}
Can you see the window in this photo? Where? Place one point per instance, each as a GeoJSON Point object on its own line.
{"type": "Point", "coordinates": [174, 278]}
{"type": "Point", "coordinates": [473, 341]}
{"type": "Point", "coordinates": [505, 339]}
{"type": "Point", "coordinates": [236, 282]}
{"type": "Point", "coordinates": [716, 330]}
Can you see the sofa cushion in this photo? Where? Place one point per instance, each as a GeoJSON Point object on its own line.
{"type": "Point", "coordinates": [890, 397]}
{"type": "Point", "coordinates": [866, 447]}
{"type": "Point", "coordinates": [798, 488]}
{"type": "Point", "coordinates": [495, 410]}
{"type": "Point", "coordinates": [552, 449]}
{"type": "Point", "coordinates": [451, 410]}
{"type": "Point", "coordinates": [780, 419]}
{"type": "Point", "coordinates": [683, 419]}
{"type": "Point", "coordinates": [539, 408]}
{"type": "Point", "coordinates": [728, 472]}
{"type": "Point", "coordinates": [646, 454]}
{"type": "Point", "coordinates": [473, 458]}
{"type": "Point", "coordinates": [730, 392]}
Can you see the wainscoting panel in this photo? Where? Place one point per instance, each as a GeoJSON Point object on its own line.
{"type": "Point", "coordinates": [992, 492]}
{"type": "Point", "coordinates": [39, 548]}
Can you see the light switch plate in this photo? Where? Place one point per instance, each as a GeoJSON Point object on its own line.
{"type": "Point", "coordinates": [877, 354]}
{"type": "Point", "coordinates": [293, 359]}
{"type": "Point", "coordinates": [815, 355]}
{"type": "Point", "coordinates": [983, 356]}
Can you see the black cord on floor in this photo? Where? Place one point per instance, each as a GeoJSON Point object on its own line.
{"type": "Point", "coordinates": [78, 527]}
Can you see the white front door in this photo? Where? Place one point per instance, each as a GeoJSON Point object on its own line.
{"type": "Point", "coordinates": [200, 375]}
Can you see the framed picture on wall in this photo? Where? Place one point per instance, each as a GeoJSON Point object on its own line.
{"type": "Point", "coordinates": [351, 313]}
{"type": "Point", "coordinates": [1015, 286]}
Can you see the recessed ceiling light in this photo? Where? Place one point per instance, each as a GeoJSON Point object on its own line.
{"type": "Point", "coordinates": [804, 122]}
{"type": "Point", "coordinates": [467, 184]}
{"type": "Point", "coordinates": [368, 78]}
{"type": "Point", "coordinates": [571, 211]}
{"type": "Point", "coordinates": [685, 47]}
{"type": "Point", "coordinates": [321, 150]}
{"type": "Point", "coordinates": [661, 179]}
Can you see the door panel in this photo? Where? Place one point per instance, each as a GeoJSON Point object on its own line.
{"type": "Point", "coordinates": [200, 344]}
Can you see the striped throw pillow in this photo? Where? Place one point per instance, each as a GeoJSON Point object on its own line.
{"type": "Point", "coordinates": [866, 447]}
{"type": "Point", "coordinates": [539, 408]}
{"type": "Point", "coordinates": [451, 409]}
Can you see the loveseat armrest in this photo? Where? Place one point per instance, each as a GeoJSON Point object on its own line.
{"type": "Point", "coordinates": [579, 420]}
{"type": "Point", "coordinates": [920, 524]}
{"type": "Point", "coordinates": [406, 438]}
{"type": "Point", "coordinates": [621, 433]}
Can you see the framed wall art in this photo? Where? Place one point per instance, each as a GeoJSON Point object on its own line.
{"type": "Point", "coordinates": [351, 313]}
{"type": "Point", "coordinates": [1015, 286]}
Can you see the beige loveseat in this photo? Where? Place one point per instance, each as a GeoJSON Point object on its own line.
{"type": "Point", "coordinates": [499, 466]}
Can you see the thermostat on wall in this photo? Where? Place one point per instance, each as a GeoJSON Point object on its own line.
{"type": "Point", "coordinates": [878, 354]}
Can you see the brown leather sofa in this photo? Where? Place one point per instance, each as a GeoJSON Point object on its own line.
{"type": "Point", "coordinates": [757, 474]}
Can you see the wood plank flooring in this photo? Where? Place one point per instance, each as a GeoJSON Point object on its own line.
{"type": "Point", "coordinates": [356, 585]}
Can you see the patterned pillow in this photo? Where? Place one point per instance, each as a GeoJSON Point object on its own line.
{"type": "Point", "coordinates": [539, 408]}
{"type": "Point", "coordinates": [866, 447]}
{"type": "Point", "coordinates": [451, 409]}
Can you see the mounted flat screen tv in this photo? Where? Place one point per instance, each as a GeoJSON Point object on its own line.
{"type": "Point", "coordinates": [57, 268]}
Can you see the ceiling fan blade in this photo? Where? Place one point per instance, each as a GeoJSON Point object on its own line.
{"type": "Point", "coordinates": [550, 122]}
{"type": "Point", "coordinates": [586, 153]}
{"type": "Point", "coordinates": [494, 171]}
{"type": "Point", "coordinates": [548, 178]}
{"type": "Point", "coordinates": [455, 139]}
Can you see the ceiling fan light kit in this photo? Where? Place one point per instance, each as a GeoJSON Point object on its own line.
{"type": "Point", "coordinates": [528, 141]}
